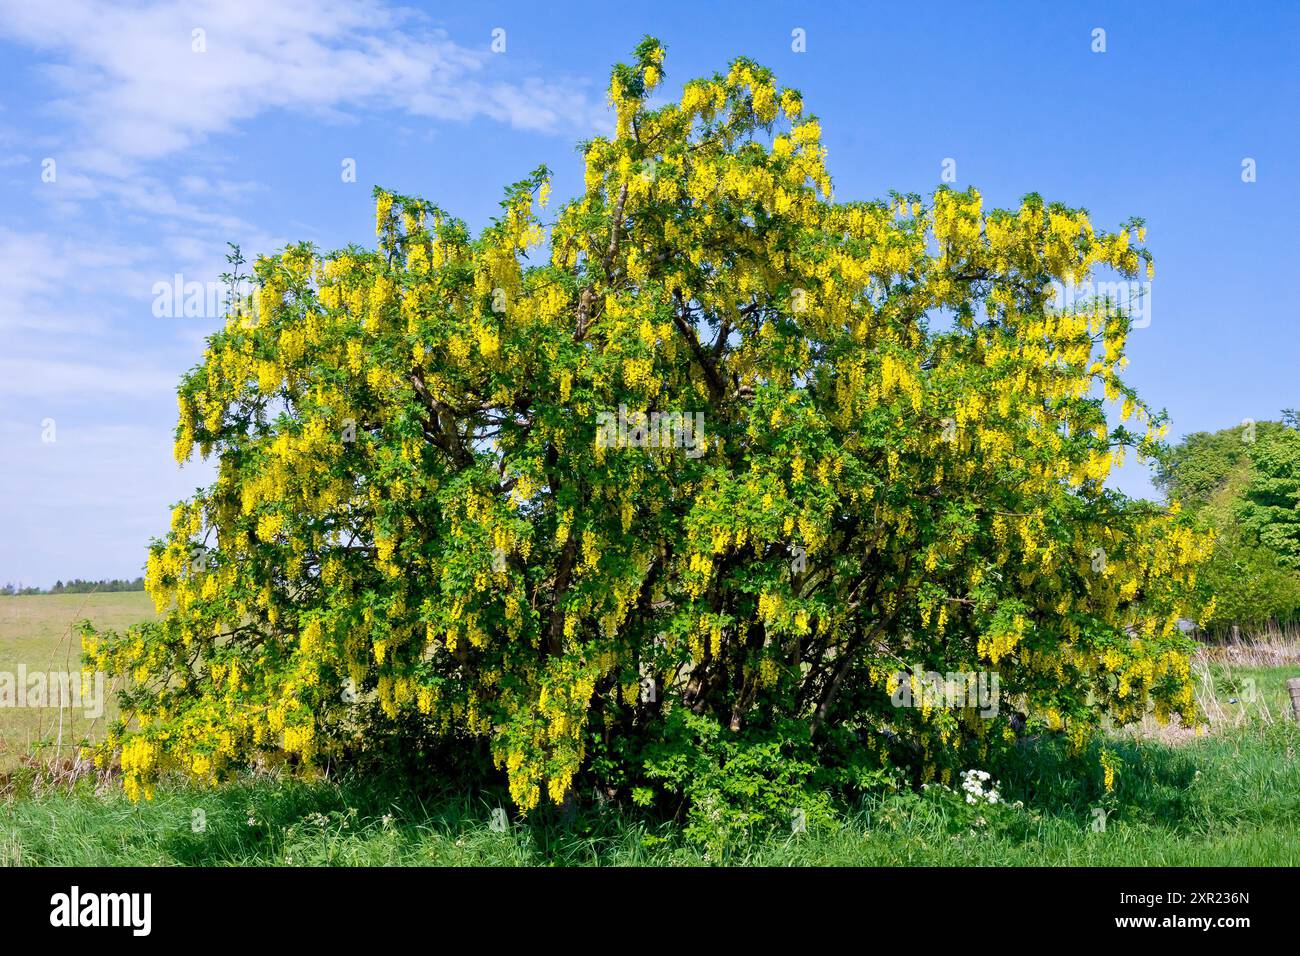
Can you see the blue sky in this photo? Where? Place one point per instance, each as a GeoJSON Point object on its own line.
{"type": "Point", "coordinates": [161, 154]}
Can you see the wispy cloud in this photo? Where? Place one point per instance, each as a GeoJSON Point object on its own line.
{"type": "Point", "coordinates": [133, 86]}
{"type": "Point", "coordinates": [151, 126]}
{"type": "Point", "coordinates": [129, 77]}
{"type": "Point", "coordinates": [121, 375]}
{"type": "Point", "coordinates": [46, 273]}
{"type": "Point", "coordinates": [72, 314]}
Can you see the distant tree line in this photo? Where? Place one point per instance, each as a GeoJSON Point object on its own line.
{"type": "Point", "coordinates": [78, 586]}
{"type": "Point", "coordinates": [1244, 482]}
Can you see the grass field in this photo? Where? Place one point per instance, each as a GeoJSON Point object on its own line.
{"type": "Point", "coordinates": [37, 633]}
{"type": "Point", "coordinates": [1229, 797]}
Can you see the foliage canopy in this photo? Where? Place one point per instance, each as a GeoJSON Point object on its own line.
{"type": "Point", "coordinates": [420, 501]}
{"type": "Point", "coordinates": [1243, 483]}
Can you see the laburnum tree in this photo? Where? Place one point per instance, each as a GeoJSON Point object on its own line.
{"type": "Point", "coordinates": [420, 501]}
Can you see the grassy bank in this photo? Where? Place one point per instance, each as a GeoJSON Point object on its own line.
{"type": "Point", "coordinates": [1232, 799]}
{"type": "Point", "coordinates": [1229, 797]}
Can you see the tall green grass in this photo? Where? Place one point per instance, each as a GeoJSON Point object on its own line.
{"type": "Point", "coordinates": [1224, 800]}
{"type": "Point", "coordinates": [1232, 797]}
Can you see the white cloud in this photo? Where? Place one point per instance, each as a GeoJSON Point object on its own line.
{"type": "Point", "coordinates": [115, 374]}
{"type": "Point", "coordinates": [129, 101]}
{"type": "Point", "coordinates": [131, 91]}
{"type": "Point", "coordinates": [47, 277]}
{"type": "Point", "coordinates": [72, 312]}
{"type": "Point", "coordinates": [131, 82]}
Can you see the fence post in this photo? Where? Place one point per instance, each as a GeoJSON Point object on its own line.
{"type": "Point", "coordinates": [1293, 688]}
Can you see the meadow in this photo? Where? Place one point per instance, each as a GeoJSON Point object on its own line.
{"type": "Point", "coordinates": [1228, 796]}
{"type": "Point", "coordinates": [37, 632]}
